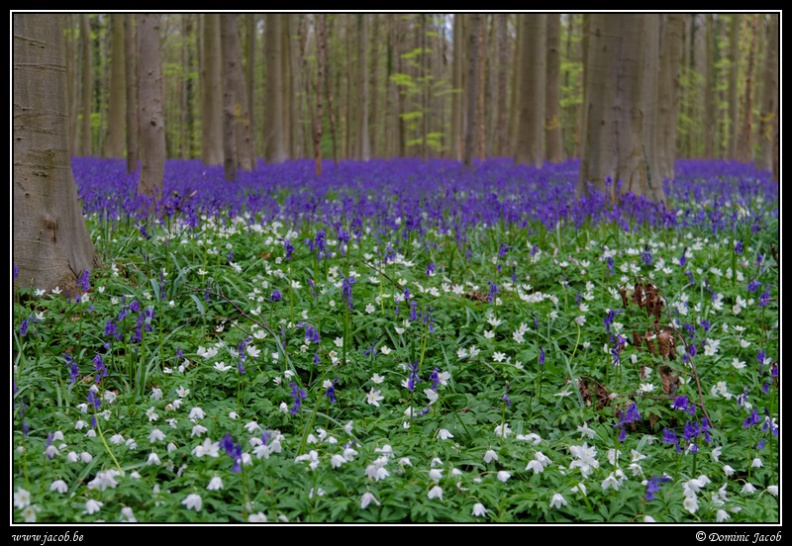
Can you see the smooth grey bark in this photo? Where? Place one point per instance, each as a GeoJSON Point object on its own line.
{"type": "Point", "coordinates": [51, 245]}
{"type": "Point", "coordinates": [532, 69]}
{"type": "Point", "coordinates": [472, 89]}
{"type": "Point", "coordinates": [274, 144]}
{"type": "Point", "coordinates": [114, 146]}
{"type": "Point", "coordinates": [211, 96]}
{"type": "Point", "coordinates": [151, 119]}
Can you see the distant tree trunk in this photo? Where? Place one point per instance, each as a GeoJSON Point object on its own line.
{"type": "Point", "coordinates": [250, 79]}
{"type": "Point", "coordinates": [115, 123]}
{"type": "Point", "coordinates": [709, 90]}
{"type": "Point", "coordinates": [734, 35]}
{"type": "Point", "coordinates": [72, 83]}
{"type": "Point", "coordinates": [317, 123]}
{"type": "Point", "coordinates": [227, 29]}
{"type": "Point", "coordinates": [402, 132]}
{"type": "Point", "coordinates": [286, 85]}
{"type": "Point", "coordinates": [390, 122]}
{"type": "Point", "coordinates": [212, 96]}
{"type": "Point", "coordinates": [150, 89]}
{"type": "Point", "coordinates": [616, 103]}
{"type": "Point", "coordinates": [530, 129]}
{"type": "Point", "coordinates": [472, 88]}
{"type": "Point", "coordinates": [425, 93]}
{"type": "Point", "coordinates": [457, 99]}
{"type": "Point", "coordinates": [516, 87]}
{"type": "Point", "coordinates": [51, 245]}
{"type": "Point", "coordinates": [328, 92]}
{"type": "Point", "coordinates": [480, 145]}
{"type": "Point", "coordinates": [363, 80]}
{"type": "Point", "coordinates": [275, 145]}
{"type": "Point", "coordinates": [501, 129]}
{"type": "Point", "coordinates": [768, 123]}
{"type": "Point", "coordinates": [132, 129]}
{"type": "Point", "coordinates": [745, 143]}
{"type": "Point", "coordinates": [375, 127]}
{"type": "Point", "coordinates": [87, 85]}
{"type": "Point", "coordinates": [554, 145]}
{"type": "Point", "coordinates": [669, 93]}
{"type": "Point", "coordinates": [234, 79]}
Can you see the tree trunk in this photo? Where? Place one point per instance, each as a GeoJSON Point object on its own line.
{"type": "Point", "coordinates": [616, 106]}
{"type": "Point", "coordinates": [116, 116]}
{"type": "Point", "coordinates": [530, 130]}
{"type": "Point", "coordinates": [425, 93]}
{"type": "Point", "coordinates": [250, 79]}
{"type": "Point", "coordinates": [317, 123]}
{"type": "Point", "coordinates": [274, 145]}
{"type": "Point", "coordinates": [734, 34]}
{"type": "Point", "coordinates": [501, 130]}
{"type": "Point", "coordinates": [769, 120]}
{"type": "Point", "coordinates": [227, 31]}
{"type": "Point", "coordinates": [744, 149]}
{"type": "Point", "coordinates": [240, 110]}
{"type": "Point", "coordinates": [669, 93]}
{"type": "Point", "coordinates": [709, 90]}
{"type": "Point", "coordinates": [328, 91]}
{"type": "Point", "coordinates": [152, 128]}
{"type": "Point", "coordinates": [132, 129]}
{"type": "Point", "coordinates": [87, 85]}
{"type": "Point", "coordinates": [457, 99]}
{"type": "Point", "coordinates": [554, 144]}
{"type": "Point", "coordinates": [472, 89]}
{"type": "Point", "coordinates": [212, 96]}
{"type": "Point", "coordinates": [364, 144]}
{"type": "Point", "coordinates": [51, 246]}
{"type": "Point", "coordinates": [375, 128]}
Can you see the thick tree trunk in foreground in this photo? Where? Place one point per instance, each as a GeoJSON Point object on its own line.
{"type": "Point", "coordinates": [51, 244]}
{"type": "Point", "coordinates": [618, 106]}
{"type": "Point", "coordinates": [152, 121]}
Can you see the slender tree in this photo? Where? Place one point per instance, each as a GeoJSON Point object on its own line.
{"type": "Point", "coordinates": [768, 123]}
{"type": "Point", "coordinates": [457, 99]}
{"type": "Point", "coordinates": [132, 129]}
{"type": "Point", "coordinates": [364, 143]}
{"type": "Point", "coordinates": [151, 119]}
{"type": "Point", "coordinates": [501, 130]}
{"type": "Point", "coordinates": [51, 247]}
{"type": "Point", "coordinates": [669, 92]}
{"type": "Point", "coordinates": [472, 89]}
{"type": "Point", "coordinates": [734, 35]}
{"type": "Point", "coordinates": [212, 95]}
{"type": "Point", "coordinates": [274, 143]}
{"type": "Point", "coordinates": [317, 124]}
{"type": "Point", "coordinates": [116, 115]}
{"type": "Point", "coordinates": [87, 85]}
{"type": "Point", "coordinates": [554, 145]}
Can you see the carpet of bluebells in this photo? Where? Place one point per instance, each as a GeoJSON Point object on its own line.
{"type": "Point", "coordinates": [404, 342]}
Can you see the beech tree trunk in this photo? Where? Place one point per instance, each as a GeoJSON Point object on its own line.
{"type": "Point", "coordinates": [152, 123]}
{"type": "Point", "coordinates": [87, 85]}
{"type": "Point", "coordinates": [51, 246]}
{"type": "Point", "coordinates": [554, 146]}
{"type": "Point", "coordinates": [530, 129]}
{"type": "Point", "coordinates": [364, 143]}
{"type": "Point", "coordinates": [472, 89]}
{"type": "Point", "coordinates": [116, 114]}
{"type": "Point", "coordinates": [618, 106]}
{"type": "Point", "coordinates": [668, 93]}
{"type": "Point", "coordinates": [317, 123]}
{"type": "Point", "coordinates": [768, 123]}
{"type": "Point", "coordinates": [132, 129]}
{"type": "Point", "coordinates": [212, 96]}
{"type": "Point", "coordinates": [274, 143]}
{"type": "Point", "coordinates": [734, 34]}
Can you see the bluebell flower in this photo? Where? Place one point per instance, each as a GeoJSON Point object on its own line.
{"type": "Point", "coordinates": [413, 379]}
{"type": "Point", "coordinates": [346, 290]}
{"type": "Point", "coordinates": [297, 395]}
{"type": "Point", "coordinates": [430, 268]}
{"type": "Point", "coordinates": [753, 286]}
{"type": "Point", "coordinates": [738, 247]}
{"type": "Point", "coordinates": [653, 486]}
{"type": "Point", "coordinates": [101, 370]}
{"type": "Point", "coordinates": [276, 296]}
{"type": "Point", "coordinates": [85, 280]}
{"type": "Point", "coordinates": [23, 328]}
{"type": "Point", "coordinates": [493, 291]}
{"type": "Point", "coordinates": [764, 299]}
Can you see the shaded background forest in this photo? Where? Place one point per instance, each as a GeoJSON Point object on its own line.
{"type": "Point", "coordinates": [397, 85]}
